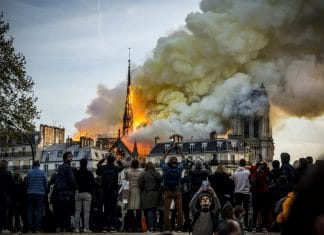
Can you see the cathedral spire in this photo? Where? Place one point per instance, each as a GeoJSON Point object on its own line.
{"type": "Point", "coordinates": [128, 112]}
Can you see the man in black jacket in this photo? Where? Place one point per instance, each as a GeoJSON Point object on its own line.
{"type": "Point", "coordinates": [109, 173]}
{"type": "Point", "coordinates": [66, 187]}
{"type": "Point", "coordinates": [6, 186]}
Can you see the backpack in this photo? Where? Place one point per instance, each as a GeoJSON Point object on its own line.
{"type": "Point", "coordinates": [172, 178]}
{"type": "Point", "coordinates": [288, 171]}
{"type": "Point", "coordinates": [110, 178]}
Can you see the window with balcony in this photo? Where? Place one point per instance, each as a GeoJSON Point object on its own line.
{"type": "Point", "coordinates": [203, 147]}
{"type": "Point", "coordinates": [60, 154]}
{"type": "Point", "coordinates": [191, 147]}
{"type": "Point", "coordinates": [75, 154]}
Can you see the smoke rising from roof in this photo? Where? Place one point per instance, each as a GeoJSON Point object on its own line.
{"type": "Point", "coordinates": [196, 76]}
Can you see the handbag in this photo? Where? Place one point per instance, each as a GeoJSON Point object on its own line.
{"type": "Point", "coordinates": [143, 224]}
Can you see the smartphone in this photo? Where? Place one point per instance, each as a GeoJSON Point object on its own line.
{"type": "Point", "coordinates": [204, 183]}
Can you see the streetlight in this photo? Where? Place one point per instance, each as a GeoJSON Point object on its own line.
{"type": "Point", "coordinates": [10, 123]}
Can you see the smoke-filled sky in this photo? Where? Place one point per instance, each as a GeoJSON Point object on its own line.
{"type": "Point", "coordinates": [193, 61]}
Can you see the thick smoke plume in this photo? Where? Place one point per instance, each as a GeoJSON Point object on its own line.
{"type": "Point", "coordinates": [105, 112]}
{"type": "Point", "coordinates": [197, 76]}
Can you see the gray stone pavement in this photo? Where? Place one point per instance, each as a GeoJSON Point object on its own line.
{"type": "Point", "coordinates": [157, 233]}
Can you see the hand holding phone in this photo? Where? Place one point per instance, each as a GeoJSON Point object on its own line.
{"type": "Point", "coordinates": [204, 184]}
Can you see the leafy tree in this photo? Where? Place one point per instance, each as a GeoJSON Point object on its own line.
{"type": "Point", "coordinates": [17, 100]}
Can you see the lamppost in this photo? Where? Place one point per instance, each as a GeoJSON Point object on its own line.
{"type": "Point", "coordinates": [10, 123]}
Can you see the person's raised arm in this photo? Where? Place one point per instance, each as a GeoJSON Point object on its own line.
{"type": "Point", "coordinates": [166, 153]}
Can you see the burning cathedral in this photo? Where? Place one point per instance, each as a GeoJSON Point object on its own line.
{"type": "Point", "coordinates": [249, 137]}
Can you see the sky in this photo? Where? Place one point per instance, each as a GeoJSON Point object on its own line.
{"type": "Point", "coordinates": [73, 46]}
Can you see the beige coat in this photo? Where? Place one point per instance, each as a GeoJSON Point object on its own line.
{"type": "Point", "coordinates": [133, 176]}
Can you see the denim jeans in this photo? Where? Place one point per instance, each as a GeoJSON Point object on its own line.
{"type": "Point", "coordinates": [151, 217]}
{"type": "Point", "coordinates": [35, 208]}
{"type": "Point", "coordinates": [82, 200]}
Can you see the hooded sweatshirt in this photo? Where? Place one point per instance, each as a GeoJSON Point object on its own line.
{"type": "Point", "coordinates": [241, 180]}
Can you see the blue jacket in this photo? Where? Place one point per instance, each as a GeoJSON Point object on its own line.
{"type": "Point", "coordinates": [36, 181]}
{"type": "Point", "coordinates": [165, 168]}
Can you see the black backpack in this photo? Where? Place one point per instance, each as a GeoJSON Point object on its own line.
{"type": "Point", "coordinates": [172, 178]}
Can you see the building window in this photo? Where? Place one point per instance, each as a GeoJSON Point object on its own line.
{"type": "Point", "coordinates": [24, 151]}
{"type": "Point", "coordinates": [60, 154]}
{"type": "Point", "coordinates": [234, 145]}
{"type": "Point", "coordinates": [179, 146]}
{"type": "Point", "coordinates": [219, 146]}
{"type": "Point", "coordinates": [233, 159]}
{"type": "Point", "coordinates": [21, 164]}
{"type": "Point", "coordinates": [191, 147]}
{"type": "Point", "coordinates": [13, 152]}
{"type": "Point", "coordinates": [203, 147]}
{"type": "Point", "coordinates": [87, 154]}
{"type": "Point", "coordinates": [166, 147]}
{"type": "Point", "coordinates": [256, 123]}
{"type": "Point", "coordinates": [75, 154]}
{"type": "Point", "coordinates": [246, 125]}
{"type": "Point", "coordinates": [47, 156]}
{"type": "Point", "coordinates": [10, 165]}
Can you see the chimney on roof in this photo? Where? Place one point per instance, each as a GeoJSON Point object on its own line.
{"type": "Point", "coordinates": [176, 138]}
{"type": "Point", "coordinates": [213, 135]}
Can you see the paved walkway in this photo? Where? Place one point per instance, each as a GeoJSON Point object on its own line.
{"type": "Point", "coordinates": [157, 233]}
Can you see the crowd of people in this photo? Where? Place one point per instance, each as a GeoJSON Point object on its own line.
{"type": "Point", "coordinates": [184, 196]}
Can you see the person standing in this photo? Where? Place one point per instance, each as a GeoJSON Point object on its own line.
{"type": "Point", "coordinates": [6, 185]}
{"type": "Point", "coordinates": [198, 173]}
{"type": "Point", "coordinates": [66, 187]}
{"type": "Point", "coordinates": [222, 184]}
{"type": "Point", "coordinates": [85, 187]}
{"type": "Point", "coordinates": [36, 184]}
{"type": "Point", "coordinates": [133, 175]}
{"type": "Point", "coordinates": [204, 208]}
{"type": "Point", "coordinates": [242, 188]}
{"type": "Point", "coordinates": [109, 173]}
{"type": "Point", "coordinates": [150, 182]}
{"type": "Point", "coordinates": [172, 188]}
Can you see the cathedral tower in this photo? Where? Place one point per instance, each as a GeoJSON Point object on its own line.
{"type": "Point", "coordinates": [255, 129]}
{"type": "Point", "coordinates": [128, 112]}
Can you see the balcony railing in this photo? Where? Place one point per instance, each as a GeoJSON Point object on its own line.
{"type": "Point", "coordinates": [16, 154]}
{"type": "Point", "coordinates": [19, 168]}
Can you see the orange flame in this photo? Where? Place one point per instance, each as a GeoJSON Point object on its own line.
{"type": "Point", "coordinates": [142, 147]}
{"type": "Point", "coordinates": [139, 111]}
{"type": "Point", "coordinates": [87, 133]}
